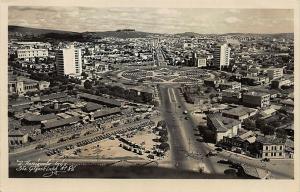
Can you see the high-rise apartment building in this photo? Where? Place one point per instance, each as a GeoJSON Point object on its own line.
{"type": "Point", "coordinates": [68, 61]}
{"type": "Point", "coordinates": [221, 56]}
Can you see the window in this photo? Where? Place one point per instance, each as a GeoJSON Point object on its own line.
{"type": "Point", "coordinates": [267, 148]}
{"type": "Point", "coordinates": [280, 147]}
{"type": "Point", "coordinates": [267, 154]}
{"type": "Point", "coordinates": [280, 154]}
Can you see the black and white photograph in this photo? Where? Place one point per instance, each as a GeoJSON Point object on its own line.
{"type": "Point", "coordinates": [150, 93]}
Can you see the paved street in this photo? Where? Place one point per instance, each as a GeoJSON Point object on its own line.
{"type": "Point", "coordinates": [184, 146]}
{"type": "Point", "coordinates": [188, 152]}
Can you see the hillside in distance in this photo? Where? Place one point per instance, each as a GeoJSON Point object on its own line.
{"type": "Point", "coordinates": [30, 33]}
{"type": "Point", "coordinates": [34, 31]}
{"type": "Point", "coordinates": [68, 35]}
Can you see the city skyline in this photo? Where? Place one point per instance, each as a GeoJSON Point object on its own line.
{"type": "Point", "coordinates": [155, 20]}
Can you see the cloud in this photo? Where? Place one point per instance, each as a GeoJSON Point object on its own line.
{"type": "Point", "coordinates": [164, 20]}
{"type": "Point", "coordinates": [232, 20]}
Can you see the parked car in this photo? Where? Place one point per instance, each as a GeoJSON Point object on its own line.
{"type": "Point", "coordinates": [211, 153]}
{"type": "Point", "coordinates": [265, 160]}
{"type": "Point", "coordinates": [150, 156]}
{"type": "Point", "coordinates": [225, 161]}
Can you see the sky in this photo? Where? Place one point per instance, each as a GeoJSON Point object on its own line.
{"type": "Point", "coordinates": [157, 20]}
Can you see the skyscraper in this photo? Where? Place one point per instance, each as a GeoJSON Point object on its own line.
{"type": "Point", "coordinates": [68, 61]}
{"type": "Point", "coordinates": [221, 56]}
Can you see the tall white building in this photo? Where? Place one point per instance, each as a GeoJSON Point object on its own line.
{"type": "Point", "coordinates": [221, 56]}
{"type": "Point", "coordinates": [68, 61]}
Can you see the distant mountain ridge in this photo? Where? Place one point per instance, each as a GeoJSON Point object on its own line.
{"type": "Point", "coordinates": [49, 33]}
{"type": "Point", "coordinates": [121, 33]}
{"type": "Point", "coordinates": [37, 31]}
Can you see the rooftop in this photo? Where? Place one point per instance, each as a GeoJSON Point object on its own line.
{"type": "Point", "coordinates": [222, 124]}
{"type": "Point", "coordinates": [16, 133]}
{"type": "Point", "coordinates": [288, 102]}
{"type": "Point", "coordinates": [247, 135]}
{"type": "Point", "coordinates": [269, 140]}
{"type": "Point", "coordinates": [40, 117]}
{"type": "Point", "coordinates": [53, 96]}
{"type": "Point", "coordinates": [255, 172]}
{"type": "Point", "coordinates": [100, 99]}
{"type": "Point", "coordinates": [19, 102]}
{"type": "Point", "coordinates": [240, 111]}
{"type": "Point", "coordinates": [67, 99]}
{"type": "Point", "coordinates": [90, 106]}
{"type": "Point", "coordinates": [255, 93]}
{"type": "Point", "coordinates": [21, 78]}
{"type": "Point", "coordinates": [106, 112]}
{"type": "Point", "coordinates": [60, 122]}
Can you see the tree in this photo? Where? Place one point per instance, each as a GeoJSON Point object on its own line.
{"type": "Point", "coordinates": [260, 123]}
{"type": "Point", "coordinates": [163, 139]}
{"type": "Point", "coordinates": [84, 74]}
{"type": "Point", "coordinates": [164, 146]}
{"type": "Point", "coordinates": [281, 133]}
{"type": "Point", "coordinates": [87, 84]}
{"type": "Point", "coordinates": [267, 130]}
{"type": "Point", "coordinates": [249, 124]}
{"type": "Point", "coordinates": [275, 124]}
{"type": "Point", "coordinates": [71, 87]}
{"type": "Point", "coordinates": [209, 90]}
{"type": "Point", "coordinates": [163, 133]}
{"type": "Point", "coordinates": [254, 149]}
{"type": "Point", "coordinates": [13, 96]}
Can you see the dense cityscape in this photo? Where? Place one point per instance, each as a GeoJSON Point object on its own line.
{"type": "Point", "coordinates": [193, 105]}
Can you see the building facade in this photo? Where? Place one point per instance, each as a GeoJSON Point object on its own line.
{"type": "Point", "coordinates": [21, 85]}
{"type": "Point", "coordinates": [270, 147]}
{"type": "Point", "coordinates": [201, 62]}
{"type": "Point", "coordinates": [275, 73]}
{"type": "Point", "coordinates": [68, 61]}
{"type": "Point", "coordinates": [222, 126]}
{"type": "Point", "coordinates": [256, 99]}
{"type": "Point", "coordinates": [221, 56]}
{"type": "Point", "coordinates": [31, 53]}
{"type": "Point", "coordinates": [231, 96]}
{"type": "Point", "coordinates": [239, 113]}
{"type": "Point", "coordinates": [230, 85]}
{"type": "Point", "coordinates": [16, 137]}
{"type": "Point", "coordinates": [278, 83]}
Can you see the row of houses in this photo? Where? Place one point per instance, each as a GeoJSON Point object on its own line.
{"type": "Point", "coordinates": [250, 98]}
{"type": "Point", "coordinates": [226, 131]}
